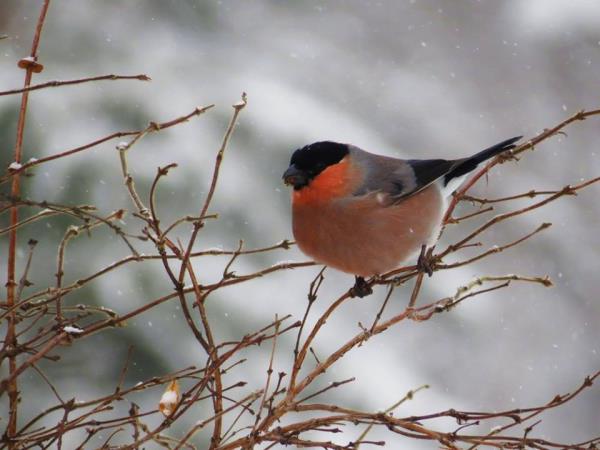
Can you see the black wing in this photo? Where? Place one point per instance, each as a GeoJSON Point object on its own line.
{"type": "Point", "coordinates": [397, 179]}
{"type": "Point", "coordinates": [429, 170]}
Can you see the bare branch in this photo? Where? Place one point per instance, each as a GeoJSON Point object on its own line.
{"type": "Point", "coordinates": [153, 127]}
{"type": "Point", "coordinates": [57, 83]}
{"type": "Point", "coordinates": [30, 65]}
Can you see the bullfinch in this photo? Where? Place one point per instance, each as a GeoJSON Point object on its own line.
{"type": "Point", "coordinates": [365, 214]}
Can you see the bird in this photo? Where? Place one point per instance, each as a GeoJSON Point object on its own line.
{"type": "Point", "coordinates": [365, 214]}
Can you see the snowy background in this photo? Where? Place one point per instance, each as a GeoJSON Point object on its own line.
{"type": "Point", "coordinates": [418, 79]}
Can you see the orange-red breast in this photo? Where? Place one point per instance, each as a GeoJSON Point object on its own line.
{"type": "Point", "coordinates": [365, 214]}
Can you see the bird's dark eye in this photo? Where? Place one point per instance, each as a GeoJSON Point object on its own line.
{"type": "Point", "coordinates": [318, 168]}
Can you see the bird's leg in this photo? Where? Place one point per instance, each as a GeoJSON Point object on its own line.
{"type": "Point", "coordinates": [426, 263]}
{"type": "Point", "coordinates": [361, 288]}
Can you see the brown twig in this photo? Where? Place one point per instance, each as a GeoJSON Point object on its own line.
{"type": "Point", "coordinates": [529, 194]}
{"type": "Point", "coordinates": [383, 305]}
{"type": "Point", "coordinates": [11, 340]}
{"type": "Point", "coordinates": [409, 396]}
{"type": "Point", "coordinates": [495, 249]}
{"type": "Point", "coordinates": [581, 115]}
{"type": "Point", "coordinates": [57, 83]}
{"type": "Point", "coordinates": [313, 291]}
{"type": "Point", "coordinates": [213, 184]}
{"type": "Point", "coordinates": [24, 282]}
{"type": "Point", "coordinates": [154, 126]}
{"type": "Point", "coordinates": [263, 401]}
{"type": "Point", "coordinates": [567, 190]}
{"type": "Point", "coordinates": [187, 267]}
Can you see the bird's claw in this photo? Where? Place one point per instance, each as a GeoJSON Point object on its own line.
{"type": "Point", "coordinates": [361, 288]}
{"type": "Point", "coordinates": [425, 263]}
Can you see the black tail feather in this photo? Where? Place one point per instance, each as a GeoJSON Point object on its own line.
{"type": "Point", "coordinates": [466, 165]}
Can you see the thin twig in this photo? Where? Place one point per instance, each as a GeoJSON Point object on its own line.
{"type": "Point", "coordinates": [495, 249]}
{"type": "Point", "coordinates": [385, 302]}
{"type": "Point", "coordinates": [409, 396]}
{"type": "Point", "coordinates": [155, 127]}
{"type": "Point", "coordinates": [567, 190]}
{"type": "Point", "coordinates": [57, 83]}
{"type": "Point", "coordinates": [581, 115]}
{"type": "Point", "coordinates": [187, 267]}
{"type": "Point", "coordinates": [268, 382]}
{"type": "Point", "coordinates": [332, 385]}
{"type": "Point", "coordinates": [24, 282]}
{"type": "Point", "coordinates": [313, 291]}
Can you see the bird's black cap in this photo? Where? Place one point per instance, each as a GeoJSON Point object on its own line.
{"type": "Point", "coordinates": [309, 161]}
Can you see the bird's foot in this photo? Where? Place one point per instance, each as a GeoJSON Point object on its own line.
{"type": "Point", "coordinates": [361, 288]}
{"type": "Point", "coordinates": [426, 263]}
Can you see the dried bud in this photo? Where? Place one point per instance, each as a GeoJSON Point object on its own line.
{"type": "Point", "coordinates": [29, 63]}
{"type": "Point", "coordinates": [169, 399]}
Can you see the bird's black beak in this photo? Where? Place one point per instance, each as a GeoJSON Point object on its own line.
{"type": "Point", "coordinates": [295, 177]}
